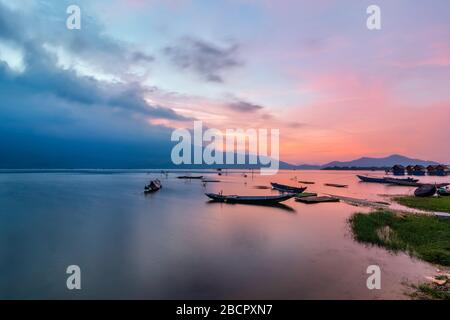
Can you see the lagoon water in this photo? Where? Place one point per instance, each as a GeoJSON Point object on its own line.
{"type": "Point", "coordinates": [176, 244]}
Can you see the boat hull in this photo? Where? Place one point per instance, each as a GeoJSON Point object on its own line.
{"type": "Point", "coordinates": [285, 188]}
{"type": "Point", "coordinates": [443, 192]}
{"type": "Point", "coordinates": [426, 190]}
{"type": "Point", "coordinates": [249, 199]}
{"type": "Point", "coordinates": [370, 179]}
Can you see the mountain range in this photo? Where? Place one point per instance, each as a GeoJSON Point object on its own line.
{"type": "Point", "coordinates": [366, 162]}
{"type": "Point", "coordinates": [363, 162]}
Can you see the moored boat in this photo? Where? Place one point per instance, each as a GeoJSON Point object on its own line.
{"type": "Point", "coordinates": [285, 188]}
{"type": "Point", "coordinates": [385, 179]}
{"type": "Point", "coordinates": [336, 185]}
{"type": "Point", "coordinates": [190, 177]}
{"type": "Point", "coordinates": [371, 179]}
{"type": "Point", "coordinates": [249, 199]}
{"type": "Point", "coordinates": [153, 186]}
{"type": "Point", "coordinates": [426, 190]}
{"type": "Point", "coordinates": [315, 199]}
{"type": "Point", "coordinates": [443, 192]}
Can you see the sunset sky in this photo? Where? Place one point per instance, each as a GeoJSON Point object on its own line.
{"type": "Point", "coordinates": [114, 90]}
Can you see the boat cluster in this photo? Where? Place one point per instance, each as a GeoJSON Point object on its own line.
{"type": "Point", "coordinates": [423, 189]}
{"type": "Point", "coordinates": [288, 192]}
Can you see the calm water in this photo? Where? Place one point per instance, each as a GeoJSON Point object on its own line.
{"type": "Point", "coordinates": [175, 244]}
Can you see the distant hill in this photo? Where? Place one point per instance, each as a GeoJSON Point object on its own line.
{"type": "Point", "coordinates": [380, 162]}
{"type": "Point", "coordinates": [362, 163]}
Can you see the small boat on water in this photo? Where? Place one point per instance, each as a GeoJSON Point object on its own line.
{"type": "Point", "coordinates": [190, 177]}
{"type": "Point", "coordinates": [153, 186]}
{"type": "Point", "coordinates": [311, 200]}
{"type": "Point", "coordinates": [444, 192]}
{"type": "Point", "coordinates": [336, 185]}
{"type": "Point", "coordinates": [306, 194]}
{"type": "Point", "coordinates": [384, 179]}
{"type": "Point", "coordinates": [285, 188]}
{"type": "Point", "coordinates": [371, 179]}
{"type": "Point", "coordinates": [307, 182]}
{"type": "Point", "coordinates": [249, 199]}
{"type": "Point", "coordinates": [426, 190]}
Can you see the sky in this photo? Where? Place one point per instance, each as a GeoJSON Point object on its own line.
{"type": "Point", "coordinates": [111, 93]}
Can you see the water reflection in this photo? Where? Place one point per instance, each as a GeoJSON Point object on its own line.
{"type": "Point", "coordinates": [280, 206]}
{"type": "Point", "coordinates": [174, 243]}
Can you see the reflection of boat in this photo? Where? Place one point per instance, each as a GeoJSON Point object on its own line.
{"type": "Point", "coordinates": [426, 190]}
{"type": "Point", "coordinates": [443, 192]}
{"type": "Point", "coordinates": [153, 186]}
{"type": "Point", "coordinates": [210, 180]}
{"type": "Point", "coordinates": [190, 177]}
{"type": "Point", "coordinates": [336, 185]}
{"type": "Point", "coordinates": [285, 188]}
{"type": "Point", "coordinates": [249, 199]}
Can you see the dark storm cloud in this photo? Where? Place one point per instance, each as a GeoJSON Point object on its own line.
{"type": "Point", "coordinates": [51, 117]}
{"type": "Point", "coordinates": [206, 59]}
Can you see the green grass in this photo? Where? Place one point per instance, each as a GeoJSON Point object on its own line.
{"type": "Point", "coordinates": [433, 291]}
{"type": "Point", "coordinates": [441, 204]}
{"type": "Point", "coordinates": [425, 237]}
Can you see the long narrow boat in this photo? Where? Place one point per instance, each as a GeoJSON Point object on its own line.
{"type": "Point", "coordinates": [315, 199]}
{"type": "Point", "coordinates": [285, 188]}
{"type": "Point", "coordinates": [190, 177]}
{"type": "Point", "coordinates": [385, 179]}
{"type": "Point", "coordinates": [371, 179]}
{"type": "Point", "coordinates": [249, 199]}
{"type": "Point", "coordinates": [336, 185]}
{"type": "Point", "coordinates": [306, 182]}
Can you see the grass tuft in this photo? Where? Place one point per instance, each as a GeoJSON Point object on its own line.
{"type": "Point", "coordinates": [441, 204]}
{"type": "Point", "coordinates": [426, 237]}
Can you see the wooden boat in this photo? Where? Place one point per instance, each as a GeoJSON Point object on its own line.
{"type": "Point", "coordinates": [385, 179]}
{"type": "Point", "coordinates": [190, 177]}
{"type": "Point", "coordinates": [306, 194]}
{"type": "Point", "coordinates": [443, 192]}
{"type": "Point", "coordinates": [371, 179]}
{"type": "Point", "coordinates": [403, 179]}
{"type": "Point", "coordinates": [285, 188]}
{"type": "Point", "coordinates": [249, 199]}
{"type": "Point", "coordinates": [336, 185]}
{"type": "Point", "coordinates": [426, 190]}
{"type": "Point", "coordinates": [311, 200]}
{"type": "Point", "coordinates": [401, 182]}
{"type": "Point", "coordinates": [306, 182]}
{"type": "Point", "coordinates": [153, 186]}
